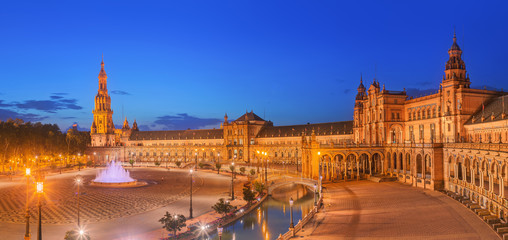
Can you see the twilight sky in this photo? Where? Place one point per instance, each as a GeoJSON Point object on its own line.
{"type": "Point", "coordinates": [183, 64]}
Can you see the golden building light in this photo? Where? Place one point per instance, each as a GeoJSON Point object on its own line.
{"type": "Point", "coordinates": [40, 187]}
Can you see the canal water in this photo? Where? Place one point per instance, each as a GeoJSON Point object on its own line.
{"type": "Point", "coordinates": [272, 217]}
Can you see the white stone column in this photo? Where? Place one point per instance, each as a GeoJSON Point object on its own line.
{"type": "Point", "coordinates": [345, 171]}
{"type": "Point", "coordinates": [501, 187]}
{"type": "Point", "coordinates": [357, 170]}
{"type": "Point", "coordinates": [464, 175]}
{"type": "Point", "coordinates": [490, 181]}
{"type": "Point", "coordinates": [481, 179]}
{"type": "Point", "coordinates": [472, 176]}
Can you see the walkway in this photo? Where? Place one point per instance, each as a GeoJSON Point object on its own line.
{"type": "Point", "coordinates": [367, 210]}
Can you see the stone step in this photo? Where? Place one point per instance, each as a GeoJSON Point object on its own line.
{"type": "Point", "coordinates": [474, 207]}
{"type": "Point", "coordinates": [483, 213]}
{"type": "Point", "coordinates": [502, 230]}
{"type": "Point", "coordinates": [491, 219]}
{"type": "Point", "coordinates": [478, 210]}
{"type": "Point", "coordinates": [471, 204]}
{"type": "Point", "coordinates": [499, 225]}
{"type": "Point", "coordinates": [382, 179]}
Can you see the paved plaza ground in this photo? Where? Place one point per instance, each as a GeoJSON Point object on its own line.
{"type": "Point", "coordinates": [105, 212]}
{"type": "Point", "coordinates": [368, 210]}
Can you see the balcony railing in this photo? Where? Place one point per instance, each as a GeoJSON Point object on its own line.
{"type": "Point", "coordinates": [498, 147]}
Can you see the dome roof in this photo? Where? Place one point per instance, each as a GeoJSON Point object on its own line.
{"type": "Point", "coordinates": [455, 46]}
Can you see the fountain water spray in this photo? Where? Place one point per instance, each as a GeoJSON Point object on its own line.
{"type": "Point", "coordinates": [114, 173]}
{"type": "Point", "coordinates": [115, 176]}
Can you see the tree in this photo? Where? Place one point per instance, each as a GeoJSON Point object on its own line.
{"type": "Point", "coordinates": [157, 163]}
{"type": "Point", "coordinates": [222, 207]}
{"type": "Point", "coordinates": [259, 187]}
{"type": "Point", "coordinates": [173, 223]}
{"type": "Point", "coordinates": [252, 172]}
{"type": "Point", "coordinates": [178, 163]}
{"type": "Point", "coordinates": [248, 194]}
{"type": "Point", "coordinates": [74, 235]}
{"type": "Point", "coordinates": [218, 166]}
{"type": "Point", "coordinates": [131, 161]}
{"type": "Point", "coordinates": [242, 170]}
{"type": "Point", "coordinates": [201, 165]}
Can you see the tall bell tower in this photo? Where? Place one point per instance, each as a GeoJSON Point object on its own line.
{"type": "Point", "coordinates": [455, 70]}
{"type": "Point", "coordinates": [103, 129]}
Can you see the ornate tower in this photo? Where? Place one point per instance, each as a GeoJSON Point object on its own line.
{"type": "Point", "coordinates": [455, 71]}
{"type": "Point", "coordinates": [103, 129]}
{"type": "Point", "coordinates": [358, 111]}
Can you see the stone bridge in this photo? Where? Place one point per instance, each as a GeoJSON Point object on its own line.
{"type": "Point", "coordinates": [279, 181]}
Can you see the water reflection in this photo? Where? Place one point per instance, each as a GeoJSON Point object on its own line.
{"type": "Point", "coordinates": [272, 217]}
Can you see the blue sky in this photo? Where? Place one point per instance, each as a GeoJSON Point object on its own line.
{"type": "Point", "coordinates": [183, 64]}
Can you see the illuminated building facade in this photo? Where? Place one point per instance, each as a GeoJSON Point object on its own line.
{"type": "Point", "coordinates": [454, 139]}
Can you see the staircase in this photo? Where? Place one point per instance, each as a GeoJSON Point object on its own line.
{"type": "Point", "coordinates": [379, 178]}
{"type": "Point", "coordinates": [500, 227]}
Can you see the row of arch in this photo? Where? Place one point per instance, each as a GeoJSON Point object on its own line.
{"type": "Point", "coordinates": [348, 166]}
{"type": "Point", "coordinates": [480, 179]}
{"type": "Point", "coordinates": [419, 166]}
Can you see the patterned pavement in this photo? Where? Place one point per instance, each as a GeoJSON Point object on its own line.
{"type": "Point", "coordinates": [96, 204]}
{"type": "Point", "coordinates": [368, 210]}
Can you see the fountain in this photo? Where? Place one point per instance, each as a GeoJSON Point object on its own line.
{"type": "Point", "coordinates": [115, 176]}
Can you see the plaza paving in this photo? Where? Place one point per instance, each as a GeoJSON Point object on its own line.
{"type": "Point", "coordinates": [368, 210]}
{"type": "Point", "coordinates": [109, 213]}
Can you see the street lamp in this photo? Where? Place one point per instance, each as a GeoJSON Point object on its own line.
{"type": "Point", "coordinates": [78, 182]}
{"type": "Point", "coordinates": [315, 188]}
{"type": "Point", "coordinates": [219, 231]}
{"type": "Point", "coordinates": [291, 225]}
{"type": "Point", "coordinates": [320, 185]}
{"type": "Point", "coordinates": [40, 191]}
{"type": "Point", "coordinates": [232, 179]}
{"type": "Point", "coordinates": [190, 210]}
{"type": "Point", "coordinates": [257, 156]}
{"type": "Point", "coordinates": [27, 232]}
{"type": "Point", "coordinates": [266, 168]}
{"type": "Point", "coordinates": [196, 166]}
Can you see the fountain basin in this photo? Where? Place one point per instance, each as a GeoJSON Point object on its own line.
{"type": "Point", "coordinates": [119, 184]}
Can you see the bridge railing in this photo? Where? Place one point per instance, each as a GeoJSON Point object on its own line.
{"type": "Point", "coordinates": [299, 226]}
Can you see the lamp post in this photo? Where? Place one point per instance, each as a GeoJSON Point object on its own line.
{"type": "Point", "coordinates": [291, 225]}
{"type": "Point", "coordinates": [40, 190]}
{"type": "Point", "coordinates": [196, 154]}
{"type": "Point", "coordinates": [27, 232]}
{"type": "Point", "coordinates": [190, 210]}
{"type": "Point", "coordinates": [219, 231]}
{"type": "Point", "coordinates": [78, 182]}
{"type": "Point", "coordinates": [320, 185]}
{"type": "Point", "coordinates": [315, 201]}
{"type": "Point", "coordinates": [257, 156]}
{"type": "Point", "coordinates": [232, 179]}
{"type": "Point", "coordinates": [266, 168]}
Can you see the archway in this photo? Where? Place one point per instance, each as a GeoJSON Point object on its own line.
{"type": "Point", "coordinates": [401, 166]}
{"type": "Point", "coordinates": [419, 167]}
{"type": "Point", "coordinates": [408, 163]}
{"type": "Point", "coordinates": [428, 166]}
{"type": "Point", "coordinates": [451, 167]}
{"type": "Point", "coordinates": [349, 166]}
{"type": "Point", "coordinates": [376, 166]}
{"type": "Point", "coordinates": [394, 160]}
